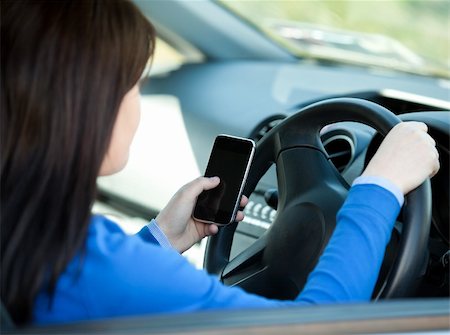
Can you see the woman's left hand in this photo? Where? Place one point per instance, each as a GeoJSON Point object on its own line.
{"type": "Point", "coordinates": [176, 221]}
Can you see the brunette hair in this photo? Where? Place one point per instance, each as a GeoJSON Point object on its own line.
{"type": "Point", "coordinates": [65, 67]}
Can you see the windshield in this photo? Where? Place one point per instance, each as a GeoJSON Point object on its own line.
{"type": "Point", "coordinates": [406, 35]}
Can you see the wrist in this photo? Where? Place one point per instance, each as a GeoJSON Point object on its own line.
{"type": "Point", "coordinates": [384, 176]}
{"type": "Point", "coordinates": [383, 182]}
{"type": "Point", "coordinates": [159, 234]}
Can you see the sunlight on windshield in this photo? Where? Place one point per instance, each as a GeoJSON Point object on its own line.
{"type": "Point", "coordinates": [408, 35]}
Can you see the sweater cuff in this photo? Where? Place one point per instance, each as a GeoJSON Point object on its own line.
{"type": "Point", "coordinates": [384, 183]}
{"type": "Point", "coordinates": [159, 235]}
{"type": "Point", "coordinates": [373, 198]}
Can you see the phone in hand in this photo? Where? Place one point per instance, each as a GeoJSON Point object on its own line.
{"type": "Point", "coordinates": [230, 160]}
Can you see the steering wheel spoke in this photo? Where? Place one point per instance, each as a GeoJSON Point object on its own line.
{"type": "Point", "coordinates": [248, 269]}
{"type": "Point", "coordinates": [305, 175]}
{"type": "Point", "coordinates": [249, 258]}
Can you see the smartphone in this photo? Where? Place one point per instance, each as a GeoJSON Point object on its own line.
{"type": "Point", "coordinates": [230, 160]}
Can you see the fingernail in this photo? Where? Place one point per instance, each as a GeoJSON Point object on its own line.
{"type": "Point", "coordinates": [214, 179]}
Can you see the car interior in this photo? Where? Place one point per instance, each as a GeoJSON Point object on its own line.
{"type": "Point", "coordinates": [216, 72]}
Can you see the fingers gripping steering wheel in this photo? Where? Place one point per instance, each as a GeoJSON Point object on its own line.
{"type": "Point", "coordinates": [311, 191]}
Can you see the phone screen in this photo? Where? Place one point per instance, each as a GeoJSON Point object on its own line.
{"type": "Point", "coordinates": [229, 160]}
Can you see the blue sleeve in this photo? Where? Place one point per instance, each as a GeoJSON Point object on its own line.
{"type": "Point", "coordinates": [152, 233]}
{"type": "Point", "coordinates": [123, 275]}
{"type": "Point", "coordinates": [349, 266]}
{"type": "Point", "coordinates": [127, 276]}
{"type": "Point", "coordinates": [384, 183]}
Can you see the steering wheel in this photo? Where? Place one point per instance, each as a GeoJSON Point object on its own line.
{"type": "Point", "coordinates": [311, 191]}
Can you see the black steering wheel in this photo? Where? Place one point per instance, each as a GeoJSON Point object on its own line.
{"type": "Point", "coordinates": [311, 191]}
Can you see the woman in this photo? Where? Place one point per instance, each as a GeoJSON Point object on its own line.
{"type": "Point", "coordinates": [69, 108]}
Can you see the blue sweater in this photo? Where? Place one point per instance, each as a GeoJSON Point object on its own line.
{"type": "Point", "coordinates": [124, 275]}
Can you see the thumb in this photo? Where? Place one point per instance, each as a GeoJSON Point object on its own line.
{"type": "Point", "coordinates": [210, 182]}
{"type": "Point", "coordinates": [197, 186]}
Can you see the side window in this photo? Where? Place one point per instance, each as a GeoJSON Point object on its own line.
{"type": "Point", "coordinates": [152, 174]}
{"type": "Point", "coordinates": [160, 147]}
{"type": "Point", "coordinates": [166, 58]}
{"type": "Point", "coordinates": [169, 56]}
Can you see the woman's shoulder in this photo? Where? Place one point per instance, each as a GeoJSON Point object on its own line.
{"type": "Point", "coordinates": [101, 224]}
{"type": "Point", "coordinates": [105, 237]}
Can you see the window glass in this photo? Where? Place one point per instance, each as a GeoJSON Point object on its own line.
{"type": "Point", "coordinates": [166, 58]}
{"type": "Point", "coordinates": [406, 35]}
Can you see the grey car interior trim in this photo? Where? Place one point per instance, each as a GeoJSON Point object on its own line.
{"type": "Point", "coordinates": [222, 320]}
{"type": "Point", "coordinates": [216, 32]}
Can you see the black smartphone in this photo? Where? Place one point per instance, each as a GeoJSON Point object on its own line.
{"type": "Point", "coordinates": [230, 160]}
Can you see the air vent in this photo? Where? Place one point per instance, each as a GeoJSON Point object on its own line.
{"type": "Point", "coordinates": [340, 149]}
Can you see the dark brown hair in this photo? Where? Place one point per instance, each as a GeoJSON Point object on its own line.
{"type": "Point", "coordinates": [65, 67]}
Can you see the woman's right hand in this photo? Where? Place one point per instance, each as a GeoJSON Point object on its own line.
{"type": "Point", "coordinates": [406, 157]}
